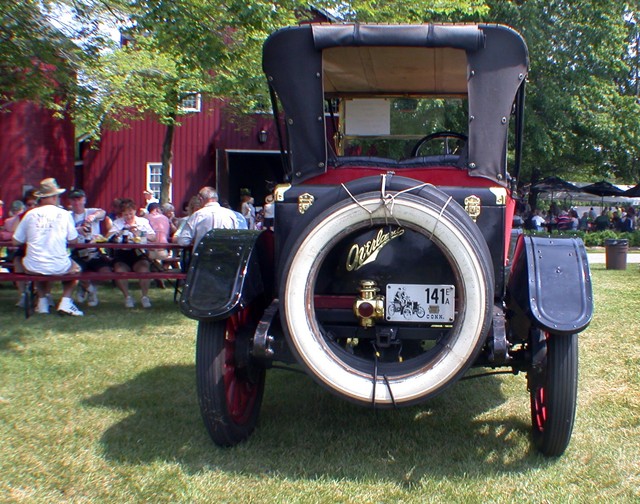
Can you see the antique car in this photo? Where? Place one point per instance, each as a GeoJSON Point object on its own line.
{"type": "Point", "coordinates": [392, 269]}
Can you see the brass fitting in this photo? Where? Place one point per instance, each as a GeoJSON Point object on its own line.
{"type": "Point", "coordinates": [369, 306]}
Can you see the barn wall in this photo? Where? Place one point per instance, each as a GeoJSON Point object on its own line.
{"type": "Point", "coordinates": [33, 145]}
{"type": "Point", "coordinates": [117, 166]}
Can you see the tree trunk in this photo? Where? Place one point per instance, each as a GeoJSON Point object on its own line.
{"type": "Point", "coordinates": [167, 157]}
{"type": "Point", "coordinates": [533, 193]}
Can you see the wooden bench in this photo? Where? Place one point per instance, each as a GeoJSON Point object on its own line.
{"type": "Point", "coordinates": [175, 272]}
{"type": "Point", "coordinates": [175, 275]}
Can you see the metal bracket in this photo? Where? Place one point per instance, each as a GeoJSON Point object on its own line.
{"type": "Point", "coordinates": [499, 351]}
{"type": "Point", "coordinates": [262, 341]}
{"type": "Point", "coordinates": [385, 337]}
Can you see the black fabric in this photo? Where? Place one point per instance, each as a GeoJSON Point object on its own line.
{"type": "Point", "coordinates": [467, 37]}
{"type": "Point", "coordinates": [497, 68]}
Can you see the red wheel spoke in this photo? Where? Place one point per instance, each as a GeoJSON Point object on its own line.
{"type": "Point", "coordinates": [239, 392]}
{"type": "Point", "coordinates": [540, 409]}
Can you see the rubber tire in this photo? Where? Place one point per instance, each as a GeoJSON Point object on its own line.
{"type": "Point", "coordinates": [229, 401]}
{"type": "Point", "coordinates": [553, 392]}
{"type": "Point", "coordinates": [468, 249]}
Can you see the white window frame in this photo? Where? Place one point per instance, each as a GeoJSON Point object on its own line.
{"type": "Point", "coordinates": [154, 179]}
{"type": "Point", "coordinates": [191, 103]}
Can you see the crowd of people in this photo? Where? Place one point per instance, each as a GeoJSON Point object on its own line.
{"type": "Point", "coordinates": [622, 219]}
{"type": "Point", "coordinates": [41, 229]}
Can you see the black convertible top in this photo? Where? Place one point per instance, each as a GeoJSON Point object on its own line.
{"type": "Point", "coordinates": [486, 63]}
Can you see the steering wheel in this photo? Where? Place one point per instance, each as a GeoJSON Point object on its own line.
{"type": "Point", "coordinates": [453, 148]}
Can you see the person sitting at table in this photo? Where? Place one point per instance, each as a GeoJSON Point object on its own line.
{"type": "Point", "coordinates": [87, 222]}
{"type": "Point", "coordinates": [148, 199]}
{"type": "Point", "coordinates": [14, 254]}
{"type": "Point", "coordinates": [162, 227]}
{"type": "Point", "coordinates": [602, 221]}
{"type": "Point", "coordinates": [11, 223]}
{"type": "Point", "coordinates": [169, 211]}
{"type": "Point", "coordinates": [563, 222]}
{"type": "Point", "coordinates": [30, 201]}
{"type": "Point", "coordinates": [46, 230]}
{"type": "Point", "coordinates": [211, 216]}
{"type": "Point", "coordinates": [129, 228]}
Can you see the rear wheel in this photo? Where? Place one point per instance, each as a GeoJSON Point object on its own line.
{"type": "Point", "coordinates": [230, 385]}
{"type": "Point", "coordinates": [553, 387]}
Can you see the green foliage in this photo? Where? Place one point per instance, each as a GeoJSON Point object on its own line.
{"type": "Point", "coordinates": [595, 238]}
{"type": "Point", "coordinates": [583, 116]}
{"type": "Point", "coordinates": [37, 61]}
{"type": "Point", "coordinates": [376, 11]}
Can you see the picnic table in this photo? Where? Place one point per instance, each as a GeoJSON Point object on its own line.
{"type": "Point", "coordinates": [174, 268]}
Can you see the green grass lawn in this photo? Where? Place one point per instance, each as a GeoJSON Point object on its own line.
{"type": "Point", "coordinates": [103, 409]}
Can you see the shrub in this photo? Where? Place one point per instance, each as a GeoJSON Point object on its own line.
{"type": "Point", "coordinates": [595, 238]}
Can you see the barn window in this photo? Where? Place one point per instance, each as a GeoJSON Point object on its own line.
{"type": "Point", "coordinates": [154, 179]}
{"type": "Point", "coordinates": [191, 103]}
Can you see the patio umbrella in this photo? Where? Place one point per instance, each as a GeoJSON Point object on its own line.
{"type": "Point", "coordinates": [555, 184]}
{"type": "Point", "coordinates": [602, 189]}
{"type": "Point", "coordinates": [634, 192]}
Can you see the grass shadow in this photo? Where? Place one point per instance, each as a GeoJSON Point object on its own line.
{"type": "Point", "coordinates": [305, 432]}
{"type": "Point", "coordinates": [110, 315]}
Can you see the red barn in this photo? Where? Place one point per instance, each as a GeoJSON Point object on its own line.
{"type": "Point", "coordinates": [33, 145]}
{"type": "Point", "coordinates": [208, 149]}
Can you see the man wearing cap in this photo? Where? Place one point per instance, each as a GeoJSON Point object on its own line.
{"type": "Point", "coordinates": [148, 199]}
{"type": "Point", "coordinates": [87, 222]}
{"type": "Point", "coordinates": [46, 230]}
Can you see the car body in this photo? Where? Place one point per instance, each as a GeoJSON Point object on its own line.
{"type": "Point", "coordinates": [392, 269]}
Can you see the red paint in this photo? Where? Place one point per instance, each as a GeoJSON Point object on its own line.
{"type": "Point", "coordinates": [438, 176]}
{"type": "Point", "coordinates": [33, 145]}
{"type": "Point", "coordinates": [117, 167]}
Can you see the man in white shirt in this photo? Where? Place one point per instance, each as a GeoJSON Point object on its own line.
{"type": "Point", "coordinates": [46, 230]}
{"type": "Point", "coordinates": [538, 221]}
{"type": "Point", "coordinates": [211, 216]}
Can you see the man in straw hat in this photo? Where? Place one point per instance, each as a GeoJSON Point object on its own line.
{"type": "Point", "coordinates": [46, 230]}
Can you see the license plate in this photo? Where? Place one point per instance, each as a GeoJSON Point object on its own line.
{"type": "Point", "coordinates": [432, 304]}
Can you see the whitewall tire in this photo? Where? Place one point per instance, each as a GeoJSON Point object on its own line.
{"type": "Point", "coordinates": [451, 230]}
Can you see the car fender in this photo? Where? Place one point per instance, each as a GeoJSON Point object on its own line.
{"type": "Point", "coordinates": [225, 273]}
{"type": "Point", "coordinates": [550, 285]}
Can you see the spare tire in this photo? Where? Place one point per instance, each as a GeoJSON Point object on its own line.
{"type": "Point", "coordinates": [427, 211]}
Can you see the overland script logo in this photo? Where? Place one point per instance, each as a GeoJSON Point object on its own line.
{"type": "Point", "coordinates": [359, 255]}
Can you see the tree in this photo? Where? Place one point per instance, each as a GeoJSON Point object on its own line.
{"type": "Point", "coordinates": [54, 48]}
{"type": "Point", "coordinates": [583, 115]}
{"type": "Point", "coordinates": [184, 46]}
{"type": "Point", "coordinates": [37, 61]}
